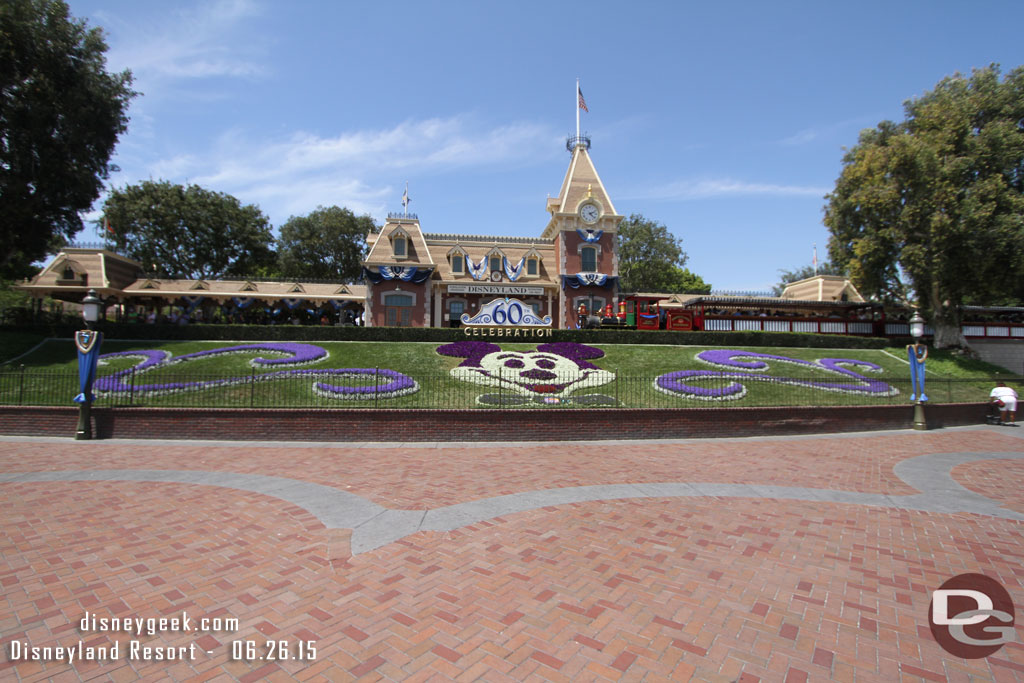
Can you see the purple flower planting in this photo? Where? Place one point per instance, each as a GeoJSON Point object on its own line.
{"type": "Point", "coordinates": [385, 383]}
{"type": "Point", "coordinates": [686, 383]}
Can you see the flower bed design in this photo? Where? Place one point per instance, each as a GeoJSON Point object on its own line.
{"type": "Point", "coordinates": [385, 383]}
{"type": "Point", "coordinates": [547, 376]}
{"type": "Point", "coordinates": [684, 383]}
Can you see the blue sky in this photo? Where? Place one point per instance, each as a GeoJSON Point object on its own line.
{"type": "Point", "coordinates": [725, 121]}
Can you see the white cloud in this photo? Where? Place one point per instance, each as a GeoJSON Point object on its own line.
{"type": "Point", "coordinates": [359, 170]}
{"type": "Point", "coordinates": [802, 138]}
{"type": "Point", "coordinates": [827, 131]}
{"type": "Point", "coordinates": [189, 44]}
{"type": "Point", "coordinates": [706, 189]}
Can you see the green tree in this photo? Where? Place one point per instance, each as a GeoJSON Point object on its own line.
{"type": "Point", "coordinates": [651, 259]}
{"type": "Point", "coordinates": [329, 243]}
{"type": "Point", "coordinates": [682, 280]}
{"type": "Point", "coordinates": [188, 231]}
{"type": "Point", "coordinates": [787, 276]}
{"type": "Point", "coordinates": [936, 201]}
{"type": "Point", "coordinates": [61, 114]}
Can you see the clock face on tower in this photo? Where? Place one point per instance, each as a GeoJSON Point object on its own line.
{"type": "Point", "coordinates": [590, 213]}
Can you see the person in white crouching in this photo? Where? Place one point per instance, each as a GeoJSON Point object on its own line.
{"type": "Point", "coordinates": [1007, 397]}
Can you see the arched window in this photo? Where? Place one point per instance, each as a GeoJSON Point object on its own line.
{"type": "Point", "coordinates": [588, 260]}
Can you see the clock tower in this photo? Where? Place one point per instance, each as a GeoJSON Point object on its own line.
{"type": "Point", "coordinates": [583, 228]}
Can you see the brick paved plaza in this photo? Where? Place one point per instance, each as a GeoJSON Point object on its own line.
{"type": "Point", "coordinates": [774, 559]}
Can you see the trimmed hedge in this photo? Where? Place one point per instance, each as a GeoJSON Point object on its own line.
{"type": "Point", "coordinates": [300, 333]}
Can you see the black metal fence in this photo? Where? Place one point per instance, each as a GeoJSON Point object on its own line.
{"type": "Point", "coordinates": [382, 388]}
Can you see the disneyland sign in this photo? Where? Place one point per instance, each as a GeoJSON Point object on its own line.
{"type": "Point", "coordinates": [504, 290]}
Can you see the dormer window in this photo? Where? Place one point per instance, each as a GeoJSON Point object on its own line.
{"type": "Point", "coordinates": [495, 262]}
{"type": "Point", "coordinates": [68, 274]}
{"type": "Point", "coordinates": [399, 247]}
{"type": "Point", "coordinates": [458, 260]}
{"type": "Point", "coordinates": [531, 266]}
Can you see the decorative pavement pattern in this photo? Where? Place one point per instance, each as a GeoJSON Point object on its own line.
{"type": "Point", "coordinates": [775, 559]}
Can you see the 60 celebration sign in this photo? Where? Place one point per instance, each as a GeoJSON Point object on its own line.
{"type": "Point", "coordinates": [506, 313]}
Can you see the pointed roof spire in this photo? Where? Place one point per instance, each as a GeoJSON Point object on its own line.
{"type": "Point", "coordinates": [582, 182]}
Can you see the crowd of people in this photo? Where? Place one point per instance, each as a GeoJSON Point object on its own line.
{"type": "Point", "coordinates": [175, 315]}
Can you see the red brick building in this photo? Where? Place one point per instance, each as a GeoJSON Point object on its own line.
{"type": "Point", "coordinates": [418, 278]}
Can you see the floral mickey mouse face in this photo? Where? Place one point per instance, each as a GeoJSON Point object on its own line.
{"type": "Point", "coordinates": [551, 370]}
{"type": "Point", "coordinates": [533, 373]}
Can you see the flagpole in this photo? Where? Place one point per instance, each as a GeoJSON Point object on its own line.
{"type": "Point", "coordinates": [576, 101]}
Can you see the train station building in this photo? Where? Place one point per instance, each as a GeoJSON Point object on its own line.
{"type": "Point", "coordinates": [429, 279]}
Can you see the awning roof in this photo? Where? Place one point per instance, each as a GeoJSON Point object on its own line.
{"type": "Point", "coordinates": [762, 302]}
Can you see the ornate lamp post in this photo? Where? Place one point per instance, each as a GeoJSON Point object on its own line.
{"type": "Point", "coordinates": [916, 354]}
{"type": "Point", "coordinates": [87, 342]}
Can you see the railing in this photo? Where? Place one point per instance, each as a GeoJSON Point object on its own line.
{"type": "Point", "coordinates": [994, 330]}
{"type": "Point", "coordinates": [770, 324]}
{"type": "Point", "coordinates": [380, 388]}
{"type": "Point", "coordinates": [749, 293]}
{"type": "Point", "coordinates": [891, 328]}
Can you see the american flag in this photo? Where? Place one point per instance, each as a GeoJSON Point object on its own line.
{"type": "Point", "coordinates": [583, 103]}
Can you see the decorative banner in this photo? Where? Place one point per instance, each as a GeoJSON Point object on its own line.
{"type": "Point", "coordinates": [88, 343]}
{"type": "Point", "coordinates": [242, 302]}
{"type": "Point", "coordinates": [916, 354]}
{"type": "Point", "coordinates": [477, 270]}
{"type": "Point", "coordinates": [193, 302]}
{"type": "Point", "coordinates": [404, 273]}
{"type": "Point", "coordinates": [583, 279]}
{"type": "Point", "coordinates": [589, 235]}
{"type": "Point", "coordinates": [506, 313]}
{"type": "Point", "coordinates": [513, 272]}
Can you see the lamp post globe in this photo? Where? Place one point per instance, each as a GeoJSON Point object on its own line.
{"type": "Point", "coordinates": [91, 305]}
{"type": "Point", "coordinates": [916, 326]}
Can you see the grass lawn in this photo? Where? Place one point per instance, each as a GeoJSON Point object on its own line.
{"type": "Point", "coordinates": [50, 378]}
{"type": "Point", "coordinates": [14, 344]}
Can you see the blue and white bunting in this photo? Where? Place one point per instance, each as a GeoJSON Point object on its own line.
{"type": "Point", "coordinates": [597, 279]}
{"type": "Point", "coordinates": [513, 272]}
{"type": "Point", "coordinates": [477, 270]}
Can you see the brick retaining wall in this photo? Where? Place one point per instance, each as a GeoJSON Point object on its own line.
{"type": "Point", "coordinates": [474, 425]}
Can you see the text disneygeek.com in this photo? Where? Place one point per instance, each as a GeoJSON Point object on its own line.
{"type": "Point", "coordinates": [134, 648]}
